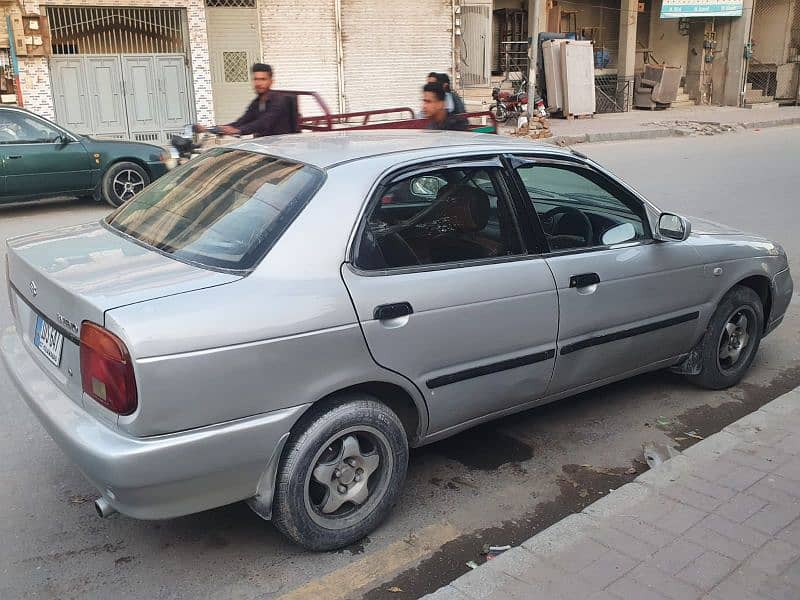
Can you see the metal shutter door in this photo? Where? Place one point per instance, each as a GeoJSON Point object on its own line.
{"type": "Point", "coordinates": [299, 41]}
{"type": "Point", "coordinates": [390, 47]}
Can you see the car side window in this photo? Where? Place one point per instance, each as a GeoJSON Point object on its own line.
{"type": "Point", "coordinates": [577, 210]}
{"type": "Point", "coordinates": [441, 216]}
{"type": "Point", "coordinates": [19, 128]}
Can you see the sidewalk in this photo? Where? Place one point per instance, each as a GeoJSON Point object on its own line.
{"type": "Point", "coordinates": [645, 124]}
{"type": "Point", "coordinates": [721, 521]}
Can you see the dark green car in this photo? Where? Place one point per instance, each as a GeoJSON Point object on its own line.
{"type": "Point", "coordinates": [39, 159]}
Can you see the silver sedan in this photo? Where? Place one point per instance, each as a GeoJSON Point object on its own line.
{"type": "Point", "coordinates": [279, 321]}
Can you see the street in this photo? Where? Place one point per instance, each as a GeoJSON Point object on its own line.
{"type": "Point", "coordinates": [497, 484]}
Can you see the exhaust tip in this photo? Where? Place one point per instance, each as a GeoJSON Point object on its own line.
{"type": "Point", "coordinates": [103, 508]}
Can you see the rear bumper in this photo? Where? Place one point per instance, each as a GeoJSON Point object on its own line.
{"type": "Point", "coordinates": [782, 288]}
{"type": "Point", "coordinates": [155, 477]}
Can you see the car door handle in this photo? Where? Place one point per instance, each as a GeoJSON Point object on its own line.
{"type": "Point", "coordinates": [13, 156]}
{"type": "Point", "coordinates": [584, 280]}
{"type": "Point", "coordinates": [384, 312]}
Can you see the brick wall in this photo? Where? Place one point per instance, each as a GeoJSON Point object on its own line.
{"type": "Point", "coordinates": [35, 76]}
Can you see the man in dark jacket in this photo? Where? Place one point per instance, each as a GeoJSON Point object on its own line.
{"type": "Point", "coordinates": [270, 113]}
{"type": "Point", "coordinates": [434, 108]}
{"type": "Point", "coordinates": [453, 101]}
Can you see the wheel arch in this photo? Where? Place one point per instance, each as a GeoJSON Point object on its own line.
{"type": "Point", "coordinates": [760, 284]}
{"type": "Point", "coordinates": [121, 159]}
{"type": "Point", "coordinates": [412, 412]}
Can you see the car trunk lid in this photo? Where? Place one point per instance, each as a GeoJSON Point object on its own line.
{"type": "Point", "coordinates": [66, 276]}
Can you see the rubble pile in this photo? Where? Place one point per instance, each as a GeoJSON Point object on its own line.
{"type": "Point", "coordinates": [695, 127]}
{"type": "Point", "coordinates": [536, 128]}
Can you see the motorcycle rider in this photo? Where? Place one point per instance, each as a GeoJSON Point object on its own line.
{"type": "Point", "coordinates": [270, 113]}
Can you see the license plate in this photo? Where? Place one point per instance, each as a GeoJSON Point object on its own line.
{"type": "Point", "coordinates": [48, 340]}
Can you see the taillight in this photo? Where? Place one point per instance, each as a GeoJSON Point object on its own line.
{"type": "Point", "coordinates": [107, 370]}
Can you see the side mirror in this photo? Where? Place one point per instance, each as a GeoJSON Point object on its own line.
{"type": "Point", "coordinates": [673, 227]}
{"type": "Point", "coordinates": [427, 186]}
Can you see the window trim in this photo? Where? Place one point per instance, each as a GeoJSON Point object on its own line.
{"type": "Point", "coordinates": [481, 160]}
{"type": "Point", "coordinates": [518, 160]}
{"type": "Point", "coordinates": [70, 136]}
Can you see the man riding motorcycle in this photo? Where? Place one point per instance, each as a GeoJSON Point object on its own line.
{"type": "Point", "coordinates": [270, 113]}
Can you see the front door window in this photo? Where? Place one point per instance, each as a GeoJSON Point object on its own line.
{"type": "Point", "coordinates": [577, 209]}
{"type": "Point", "coordinates": [19, 128]}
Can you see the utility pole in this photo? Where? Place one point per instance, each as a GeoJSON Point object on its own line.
{"type": "Point", "coordinates": [535, 14]}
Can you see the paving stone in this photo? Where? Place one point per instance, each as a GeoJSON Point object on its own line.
{"type": "Point", "coordinates": [707, 488]}
{"type": "Point", "coordinates": [624, 543]}
{"type": "Point", "coordinates": [765, 459]}
{"type": "Point", "coordinates": [768, 489]}
{"type": "Point", "coordinates": [790, 470]}
{"type": "Point", "coordinates": [692, 498]}
{"type": "Point", "coordinates": [791, 533]}
{"type": "Point", "coordinates": [735, 531]}
{"type": "Point", "coordinates": [610, 567]}
{"type": "Point", "coordinates": [679, 519]}
{"type": "Point", "coordinates": [744, 580]}
{"type": "Point", "coordinates": [641, 530]}
{"type": "Point", "coordinates": [740, 478]}
{"type": "Point", "coordinates": [741, 507]}
{"type": "Point", "coordinates": [604, 595]}
{"type": "Point", "coordinates": [676, 556]}
{"type": "Point", "coordinates": [774, 557]}
{"type": "Point", "coordinates": [707, 570]}
{"type": "Point", "coordinates": [785, 485]}
{"type": "Point", "coordinates": [791, 444]}
{"type": "Point", "coordinates": [715, 541]}
{"type": "Point", "coordinates": [670, 587]}
{"type": "Point", "coordinates": [630, 588]}
{"type": "Point", "coordinates": [550, 581]}
{"type": "Point", "coordinates": [773, 517]}
{"type": "Point", "coordinates": [579, 556]}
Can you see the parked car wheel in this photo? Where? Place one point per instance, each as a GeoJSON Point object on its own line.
{"type": "Point", "coordinates": [340, 474]}
{"type": "Point", "coordinates": [122, 181]}
{"type": "Point", "coordinates": [731, 340]}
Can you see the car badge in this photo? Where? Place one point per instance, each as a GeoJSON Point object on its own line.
{"type": "Point", "coordinates": [33, 287]}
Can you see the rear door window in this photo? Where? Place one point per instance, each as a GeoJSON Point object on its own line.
{"type": "Point", "coordinates": [224, 209]}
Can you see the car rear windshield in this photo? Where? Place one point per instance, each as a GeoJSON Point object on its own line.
{"type": "Point", "coordinates": [223, 210]}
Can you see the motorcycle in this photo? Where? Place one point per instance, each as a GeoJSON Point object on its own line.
{"type": "Point", "coordinates": [190, 143]}
{"type": "Point", "coordinates": [508, 104]}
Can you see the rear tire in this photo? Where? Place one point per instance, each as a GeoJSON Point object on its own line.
{"type": "Point", "coordinates": [341, 473]}
{"type": "Point", "coordinates": [122, 181]}
{"type": "Point", "coordinates": [731, 340]}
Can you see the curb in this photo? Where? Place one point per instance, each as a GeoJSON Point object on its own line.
{"type": "Point", "coordinates": [574, 528]}
{"type": "Point", "coordinates": [649, 134]}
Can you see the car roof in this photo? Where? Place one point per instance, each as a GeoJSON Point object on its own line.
{"type": "Point", "coordinates": [328, 149]}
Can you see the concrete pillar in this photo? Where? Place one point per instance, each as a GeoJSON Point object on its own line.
{"type": "Point", "coordinates": [628, 16]}
{"type": "Point", "coordinates": [626, 59]}
{"type": "Point", "coordinates": [735, 67]}
{"type": "Point", "coordinates": [537, 22]}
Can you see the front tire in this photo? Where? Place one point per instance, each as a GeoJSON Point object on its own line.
{"type": "Point", "coordinates": [341, 473]}
{"type": "Point", "coordinates": [122, 181]}
{"type": "Point", "coordinates": [731, 340]}
{"type": "Point", "coordinates": [499, 111]}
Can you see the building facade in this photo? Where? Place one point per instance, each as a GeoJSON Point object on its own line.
{"type": "Point", "coordinates": [143, 69]}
